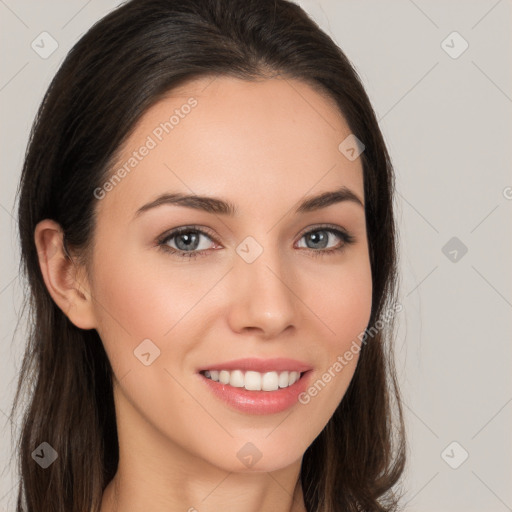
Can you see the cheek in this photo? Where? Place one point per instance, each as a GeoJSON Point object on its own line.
{"type": "Point", "coordinates": [161, 302]}
{"type": "Point", "coordinates": [343, 300]}
{"type": "Point", "coordinates": [143, 299]}
{"type": "Point", "coordinates": [347, 315]}
{"type": "Point", "coordinates": [133, 303]}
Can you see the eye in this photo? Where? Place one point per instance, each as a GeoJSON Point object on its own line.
{"type": "Point", "coordinates": [185, 242]}
{"type": "Point", "coordinates": [189, 241]}
{"type": "Point", "coordinates": [319, 239]}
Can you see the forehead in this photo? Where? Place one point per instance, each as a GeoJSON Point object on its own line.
{"type": "Point", "coordinates": [274, 138]}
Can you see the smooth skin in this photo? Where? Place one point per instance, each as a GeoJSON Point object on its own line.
{"type": "Point", "coordinates": [264, 146]}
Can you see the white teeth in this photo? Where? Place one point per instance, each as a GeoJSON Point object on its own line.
{"type": "Point", "coordinates": [294, 377]}
{"type": "Point", "coordinates": [236, 379]}
{"type": "Point", "coordinates": [254, 381]}
{"type": "Point", "coordinates": [270, 381]}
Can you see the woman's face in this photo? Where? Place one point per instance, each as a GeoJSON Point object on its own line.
{"type": "Point", "coordinates": [263, 284]}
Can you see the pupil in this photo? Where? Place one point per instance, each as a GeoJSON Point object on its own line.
{"type": "Point", "coordinates": [190, 239]}
{"type": "Point", "coordinates": [318, 237]}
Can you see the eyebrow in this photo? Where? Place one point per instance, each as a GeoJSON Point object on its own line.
{"type": "Point", "coordinates": [223, 207]}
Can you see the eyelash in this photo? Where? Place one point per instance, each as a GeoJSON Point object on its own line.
{"type": "Point", "coordinates": [162, 241]}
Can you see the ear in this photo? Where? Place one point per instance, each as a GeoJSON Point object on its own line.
{"type": "Point", "coordinates": [65, 280]}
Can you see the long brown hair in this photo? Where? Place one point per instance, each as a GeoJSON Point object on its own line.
{"type": "Point", "coordinates": [123, 65]}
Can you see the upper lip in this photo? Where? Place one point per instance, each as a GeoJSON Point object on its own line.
{"type": "Point", "coordinates": [278, 364]}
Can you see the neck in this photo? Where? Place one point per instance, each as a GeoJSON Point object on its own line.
{"type": "Point", "coordinates": [261, 492]}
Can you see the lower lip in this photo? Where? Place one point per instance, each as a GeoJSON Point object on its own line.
{"type": "Point", "coordinates": [259, 402]}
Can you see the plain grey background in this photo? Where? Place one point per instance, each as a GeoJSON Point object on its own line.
{"type": "Point", "coordinates": [439, 77]}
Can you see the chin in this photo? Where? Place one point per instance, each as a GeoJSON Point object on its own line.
{"type": "Point", "coordinates": [259, 456]}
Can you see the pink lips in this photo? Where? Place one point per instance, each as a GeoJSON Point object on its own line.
{"type": "Point", "coordinates": [278, 364]}
{"type": "Point", "coordinates": [259, 402]}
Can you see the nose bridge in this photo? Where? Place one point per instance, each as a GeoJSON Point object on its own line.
{"type": "Point", "coordinates": [264, 298]}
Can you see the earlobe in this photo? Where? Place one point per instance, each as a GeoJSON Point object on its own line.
{"type": "Point", "coordinates": [64, 279]}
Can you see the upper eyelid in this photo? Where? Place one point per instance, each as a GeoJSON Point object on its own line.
{"type": "Point", "coordinates": [323, 226]}
{"type": "Point", "coordinates": [184, 229]}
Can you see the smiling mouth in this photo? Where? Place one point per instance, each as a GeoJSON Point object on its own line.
{"type": "Point", "coordinates": [254, 381]}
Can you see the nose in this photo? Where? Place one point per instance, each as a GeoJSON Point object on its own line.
{"type": "Point", "coordinates": [263, 298]}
